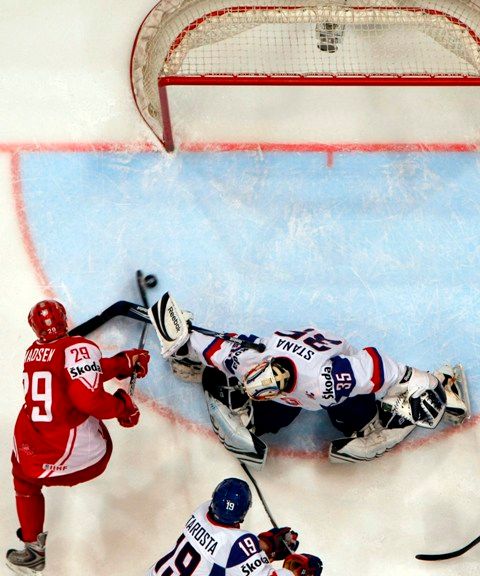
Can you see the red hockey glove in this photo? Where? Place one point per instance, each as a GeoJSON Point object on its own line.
{"type": "Point", "coordinates": [277, 543]}
{"type": "Point", "coordinates": [135, 359]}
{"type": "Point", "coordinates": [303, 564]}
{"type": "Point", "coordinates": [131, 414]}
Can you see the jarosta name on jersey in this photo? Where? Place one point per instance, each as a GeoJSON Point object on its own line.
{"type": "Point", "coordinates": [194, 528]}
{"type": "Point", "coordinates": [77, 371]}
{"type": "Point", "coordinates": [39, 355]}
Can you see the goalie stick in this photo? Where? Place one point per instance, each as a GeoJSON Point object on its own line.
{"type": "Point", "coordinates": [222, 336]}
{"type": "Point", "coordinates": [143, 282]}
{"type": "Point", "coordinates": [127, 309]}
{"type": "Point", "coordinates": [138, 312]}
{"type": "Point", "coordinates": [448, 555]}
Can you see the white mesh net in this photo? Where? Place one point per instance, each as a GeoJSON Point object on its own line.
{"type": "Point", "coordinates": [308, 40]}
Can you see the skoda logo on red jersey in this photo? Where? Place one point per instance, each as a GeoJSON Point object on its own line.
{"type": "Point", "coordinates": [77, 371]}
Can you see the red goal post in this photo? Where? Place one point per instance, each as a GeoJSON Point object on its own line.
{"type": "Point", "coordinates": [301, 42]}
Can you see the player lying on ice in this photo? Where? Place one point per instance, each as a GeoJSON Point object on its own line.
{"type": "Point", "coordinates": [212, 542]}
{"type": "Point", "coordinates": [373, 400]}
{"type": "Point", "coordinates": [59, 437]}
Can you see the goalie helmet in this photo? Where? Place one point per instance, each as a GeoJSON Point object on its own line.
{"type": "Point", "coordinates": [231, 500]}
{"type": "Point", "coordinates": [48, 319]}
{"type": "Point", "coordinates": [268, 379]}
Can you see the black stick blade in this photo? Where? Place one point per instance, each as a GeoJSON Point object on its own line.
{"type": "Point", "coordinates": [449, 555]}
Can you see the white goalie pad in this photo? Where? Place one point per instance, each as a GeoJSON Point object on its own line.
{"type": "Point", "coordinates": [369, 443]}
{"type": "Point", "coordinates": [234, 435]}
{"type": "Point", "coordinates": [170, 323]}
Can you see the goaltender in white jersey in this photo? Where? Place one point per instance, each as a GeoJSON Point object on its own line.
{"type": "Point", "coordinates": [313, 369]}
{"type": "Point", "coordinates": [323, 369]}
{"type": "Point", "coordinates": [213, 544]}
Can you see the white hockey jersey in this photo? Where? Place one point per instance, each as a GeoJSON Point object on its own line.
{"type": "Point", "coordinates": [327, 369]}
{"type": "Point", "coordinates": [206, 548]}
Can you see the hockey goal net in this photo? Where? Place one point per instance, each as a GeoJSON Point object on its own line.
{"type": "Point", "coordinates": [301, 42]}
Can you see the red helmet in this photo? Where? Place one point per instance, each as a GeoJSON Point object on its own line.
{"type": "Point", "coordinates": [48, 320]}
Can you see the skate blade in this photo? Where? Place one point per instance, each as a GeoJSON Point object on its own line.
{"type": "Point", "coordinates": [462, 387]}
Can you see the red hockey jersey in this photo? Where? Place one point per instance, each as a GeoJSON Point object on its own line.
{"type": "Point", "coordinates": [58, 428]}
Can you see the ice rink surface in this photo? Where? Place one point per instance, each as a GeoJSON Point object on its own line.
{"type": "Point", "coordinates": [382, 248]}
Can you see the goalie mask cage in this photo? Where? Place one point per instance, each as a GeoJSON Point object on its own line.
{"type": "Point", "coordinates": [300, 42]}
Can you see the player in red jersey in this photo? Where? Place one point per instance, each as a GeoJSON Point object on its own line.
{"type": "Point", "coordinates": [59, 438]}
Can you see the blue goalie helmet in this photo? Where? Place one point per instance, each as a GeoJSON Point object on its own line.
{"type": "Point", "coordinates": [231, 500]}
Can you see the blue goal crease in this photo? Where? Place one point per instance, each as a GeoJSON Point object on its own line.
{"type": "Point", "coordinates": [382, 248]}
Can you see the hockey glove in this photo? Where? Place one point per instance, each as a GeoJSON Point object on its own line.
{"type": "Point", "coordinates": [303, 564]}
{"type": "Point", "coordinates": [131, 414]}
{"type": "Point", "coordinates": [278, 543]}
{"type": "Point", "coordinates": [428, 409]}
{"type": "Point", "coordinates": [135, 359]}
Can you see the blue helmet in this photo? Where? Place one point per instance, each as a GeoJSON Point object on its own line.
{"type": "Point", "coordinates": [231, 500]}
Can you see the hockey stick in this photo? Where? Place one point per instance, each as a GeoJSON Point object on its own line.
{"type": "Point", "coordinates": [260, 495]}
{"type": "Point", "coordinates": [120, 308]}
{"type": "Point", "coordinates": [138, 312]}
{"type": "Point", "coordinates": [228, 338]}
{"type": "Point", "coordinates": [449, 555]}
{"type": "Point", "coordinates": [143, 282]}
{"type": "Point", "coordinates": [264, 503]}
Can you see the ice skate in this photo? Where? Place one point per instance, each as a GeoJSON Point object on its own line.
{"type": "Point", "coordinates": [455, 384]}
{"type": "Point", "coordinates": [29, 560]}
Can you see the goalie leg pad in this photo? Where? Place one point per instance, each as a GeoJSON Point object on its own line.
{"type": "Point", "coordinates": [370, 442]}
{"type": "Point", "coordinates": [170, 323]}
{"type": "Point", "coordinates": [234, 435]}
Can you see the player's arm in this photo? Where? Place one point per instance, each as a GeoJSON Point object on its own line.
{"type": "Point", "coordinates": [247, 558]}
{"type": "Point", "coordinates": [178, 341]}
{"type": "Point", "coordinates": [83, 370]}
{"type": "Point", "coordinates": [228, 357]}
{"type": "Point", "coordinates": [124, 363]}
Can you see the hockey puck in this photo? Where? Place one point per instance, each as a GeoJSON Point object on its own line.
{"type": "Point", "coordinates": [151, 281]}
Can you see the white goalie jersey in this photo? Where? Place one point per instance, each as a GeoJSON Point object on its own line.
{"type": "Point", "coordinates": [327, 369]}
{"type": "Point", "coordinates": [206, 548]}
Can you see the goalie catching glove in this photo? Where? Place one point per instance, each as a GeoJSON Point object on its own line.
{"type": "Point", "coordinates": [278, 543]}
{"type": "Point", "coordinates": [303, 564]}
